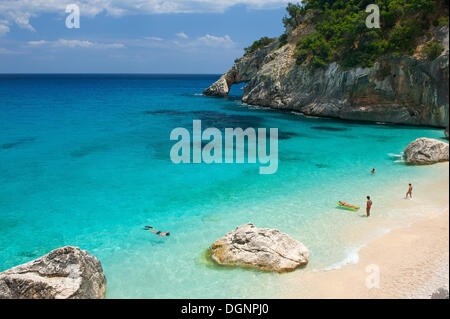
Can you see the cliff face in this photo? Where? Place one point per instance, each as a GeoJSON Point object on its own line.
{"type": "Point", "coordinates": [243, 70]}
{"type": "Point", "coordinates": [397, 89]}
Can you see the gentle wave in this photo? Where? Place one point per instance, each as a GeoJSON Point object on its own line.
{"type": "Point", "coordinates": [352, 257]}
{"type": "Point", "coordinates": [398, 158]}
{"type": "Point", "coordinates": [256, 107]}
{"type": "Point", "coordinates": [352, 253]}
{"type": "Point", "coordinates": [395, 155]}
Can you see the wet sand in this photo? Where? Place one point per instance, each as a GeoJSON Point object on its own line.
{"type": "Point", "coordinates": [407, 262]}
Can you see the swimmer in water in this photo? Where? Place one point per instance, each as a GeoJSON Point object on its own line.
{"type": "Point", "coordinates": [157, 232]}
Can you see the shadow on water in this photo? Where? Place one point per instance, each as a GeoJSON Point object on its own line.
{"type": "Point", "coordinates": [267, 111]}
{"type": "Point", "coordinates": [223, 120]}
{"type": "Point", "coordinates": [215, 119]}
{"type": "Point", "coordinates": [155, 241]}
{"type": "Point", "coordinates": [349, 137]}
{"type": "Point", "coordinates": [329, 128]}
{"type": "Point", "coordinates": [234, 98]}
{"type": "Point", "coordinates": [380, 138]}
{"type": "Point", "coordinates": [7, 224]}
{"type": "Point", "coordinates": [321, 165]}
{"type": "Point", "coordinates": [89, 149]}
{"type": "Point", "coordinates": [165, 112]}
{"type": "Point", "coordinates": [291, 157]}
{"type": "Point", "coordinates": [17, 143]}
{"type": "Point", "coordinates": [159, 150]}
{"type": "Point", "coordinates": [283, 135]}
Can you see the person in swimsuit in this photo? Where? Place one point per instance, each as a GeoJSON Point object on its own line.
{"type": "Point", "coordinates": [373, 171]}
{"type": "Point", "coordinates": [369, 206]}
{"type": "Point", "coordinates": [157, 232]}
{"type": "Point", "coordinates": [409, 192]}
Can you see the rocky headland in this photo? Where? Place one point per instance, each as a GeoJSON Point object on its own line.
{"type": "Point", "coordinates": [398, 88]}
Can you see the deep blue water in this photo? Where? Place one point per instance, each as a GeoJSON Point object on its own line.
{"type": "Point", "coordinates": [84, 161]}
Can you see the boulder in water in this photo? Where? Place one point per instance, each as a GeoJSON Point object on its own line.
{"type": "Point", "coordinates": [260, 248]}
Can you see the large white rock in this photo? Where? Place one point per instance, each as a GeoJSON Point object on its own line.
{"type": "Point", "coordinates": [426, 151]}
{"type": "Point", "coordinates": [64, 273]}
{"type": "Point", "coordinates": [260, 248]}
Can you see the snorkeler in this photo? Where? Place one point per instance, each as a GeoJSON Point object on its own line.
{"type": "Point", "coordinates": [157, 232]}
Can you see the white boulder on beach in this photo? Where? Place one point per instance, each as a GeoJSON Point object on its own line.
{"type": "Point", "coordinates": [259, 248]}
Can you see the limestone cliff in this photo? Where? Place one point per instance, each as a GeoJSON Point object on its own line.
{"type": "Point", "coordinates": [396, 89]}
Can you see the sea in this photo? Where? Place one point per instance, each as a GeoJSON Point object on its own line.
{"type": "Point", "coordinates": [85, 161]}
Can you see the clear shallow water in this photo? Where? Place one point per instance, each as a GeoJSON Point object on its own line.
{"type": "Point", "coordinates": [84, 161]}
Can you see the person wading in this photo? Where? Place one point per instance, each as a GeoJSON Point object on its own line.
{"type": "Point", "coordinates": [409, 191]}
{"type": "Point", "coordinates": [369, 206]}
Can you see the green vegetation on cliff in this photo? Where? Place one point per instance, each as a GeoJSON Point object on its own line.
{"type": "Point", "coordinates": [341, 33]}
{"type": "Point", "coordinates": [432, 50]}
{"type": "Point", "coordinates": [259, 44]}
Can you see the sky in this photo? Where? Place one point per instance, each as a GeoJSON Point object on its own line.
{"type": "Point", "coordinates": [133, 36]}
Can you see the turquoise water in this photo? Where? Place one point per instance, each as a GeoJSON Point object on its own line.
{"type": "Point", "coordinates": [84, 161]}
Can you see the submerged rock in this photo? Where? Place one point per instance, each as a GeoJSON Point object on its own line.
{"type": "Point", "coordinates": [426, 151]}
{"type": "Point", "coordinates": [64, 273]}
{"type": "Point", "coordinates": [260, 248]}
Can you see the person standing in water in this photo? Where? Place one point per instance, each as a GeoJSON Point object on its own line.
{"type": "Point", "coordinates": [409, 192]}
{"type": "Point", "coordinates": [369, 206]}
{"type": "Point", "coordinates": [373, 171]}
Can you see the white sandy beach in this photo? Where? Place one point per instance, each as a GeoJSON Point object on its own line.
{"type": "Point", "coordinates": [413, 261]}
